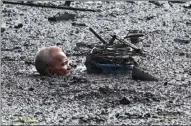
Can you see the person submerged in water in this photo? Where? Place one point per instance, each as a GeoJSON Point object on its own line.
{"type": "Point", "coordinates": [52, 61]}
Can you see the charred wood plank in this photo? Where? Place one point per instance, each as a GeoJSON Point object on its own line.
{"type": "Point", "coordinates": [48, 6]}
{"type": "Point", "coordinates": [112, 40]}
{"type": "Point", "coordinates": [177, 1]}
{"type": "Point", "coordinates": [99, 37]}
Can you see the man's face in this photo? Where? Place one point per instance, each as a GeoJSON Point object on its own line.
{"type": "Point", "coordinates": [60, 64]}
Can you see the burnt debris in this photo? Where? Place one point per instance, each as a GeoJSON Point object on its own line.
{"type": "Point", "coordinates": [61, 17]}
{"type": "Point", "coordinates": [19, 25]}
{"type": "Point", "coordinates": [98, 36]}
{"type": "Point", "coordinates": [78, 24]}
{"type": "Point", "coordinates": [156, 3]}
{"type": "Point", "coordinates": [67, 3]}
{"type": "Point", "coordinates": [177, 1]}
{"type": "Point", "coordinates": [116, 57]}
{"type": "Point", "coordinates": [138, 74]}
{"type": "Point", "coordinates": [48, 6]}
{"type": "Point", "coordinates": [124, 101]}
{"type": "Point", "coordinates": [182, 41]}
{"type": "Point", "coordinates": [187, 7]}
{"type": "Point", "coordinates": [2, 30]}
{"type": "Point", "coordinates": [134, 36]}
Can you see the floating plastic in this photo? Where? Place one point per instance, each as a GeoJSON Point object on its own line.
{"type": "Point", "coordinates": [113, 68]}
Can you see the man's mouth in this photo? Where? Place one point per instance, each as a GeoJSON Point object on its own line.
{"type": "Point", "coordinates": [68, 72]}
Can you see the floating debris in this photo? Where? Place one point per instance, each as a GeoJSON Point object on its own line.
{"type": "Point", "coordinates": [3, 27]}
{"type": "Point", "coordinates": [181, 54]}
{"type": "Point", "coordinates": [112, 40]}
{"type": "Point", "coordinates": [137, 74]}
{"type": "Point", "coordinates": [147, 115]}
{"type": "Point", "coordinates": [128, 44]}
{"type": "Point", "coordinates": [30, 89]}
{"type": "Point", "coordinates": [165, 83]}
{"type": "Point", "coordinates": [48, 6]}
{"type": "Point", "coordinates": [98, 36]}
{"type": "Point", "coordinates": [105, 90]}
{"type": "Point", "coordinates": [188, 7]}
{"type": "Point", "coordinates": [19, 25]}
{"type": "Point", "coordinates": [182, 41]}
{"type": "Point", "coordinates": [65, 16]}
{"type": "Point", "coordinates": [131, 2]}
{"type": "Point", "coordinates": [116, 58]}
{"type": "Point", "coordinates": [149, 17]}
{"type": "Point", "coordinates": [109, 61]}
{"type": "Point", "coordinates": [177, 1]}
{"type": "Point", "coordinates": [6, 49]}
{"type": "Point", "coordinates": [67, 3]}
{"type": "Point", "coordinates": [134, 36]}
{"type": "Point", "coordinates": [28, 62]}
{"type": "Point", "coordinates": [2, 30]}
{"type": "Point", "coordinates": [8, 58]}
{"type": "Point", "coordinates": [188, 23]}
{"type": "Point", "coordinates": [124, 101]}
{"type": "Point", "coordinates": [156, 3]}
{"type": "Point", "coordinates": [78, 24]}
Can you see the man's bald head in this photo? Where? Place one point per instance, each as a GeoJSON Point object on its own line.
{"type": "Point", "coordinates": [46, 61]}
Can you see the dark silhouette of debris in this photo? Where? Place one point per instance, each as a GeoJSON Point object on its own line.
{"type": "Point", "coordinates": [182, 41]}
{"type": "Point", "coordinates": [2, 30]}
{"type": "Point", "coordinates": [134, 36]}
{"type": "Point", "coordinates": [8, 58]}
{"type": "Point", "coordinates": [149, 18]}
{"type": "Point", "coordinates": [31, 89]}
{"type": "Point", "coordinates": [188, 7]}
{"type": "Point", "coordinates": [78, 24]}
{"type": "Point", "coordinates": [20, 25]}
{"type": "Point", "coordinates": [47, 6]}
{"type": "Point", "coordinates": [181, 54]}
{"type": "Point", "coordinates": [147, 115]}
{"type": "Point", "coordinates": [90, 65]}
{"type": "Point", "coordinates": [105, 90]}
{"type": "Point", "coordinates": [124, 101]}
{"type": "Point", "coordinates": [130, 44]}
{"type": "Point", "coordinates": [165, 83]}
{"type": "Point", "coordinates": [130, 2]}
{"type": "Point", "coordinates": [177, 1]}
{"type": "Point", "coordinates": [67, 3]}
{"type": "Point", "coordinates": [98, 36]}
{"type": "Point", "coordinates": [137, 74]}
{"type": "Point", "coordinates": [188, 23]}
{"type": "Point", "coordinates": [117, 115]}
{"type": "Point", "coordinates": [112, 40]}
{"type": "Point", "coordinates": [29, 62]}
{"type": "Point", "coordinates": [65, 16]}
{"type": "Point", "coordinates": [156, 3]}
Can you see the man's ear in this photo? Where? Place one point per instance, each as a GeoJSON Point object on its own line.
{"type": "Point", "coordinates": [49, 71]}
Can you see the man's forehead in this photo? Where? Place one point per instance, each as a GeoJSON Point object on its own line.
{"type": "Point", "coordinates": [60, 55]}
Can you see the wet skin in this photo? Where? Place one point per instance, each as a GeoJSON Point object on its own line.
{"type": "Point", "coordinates": [60, 65]}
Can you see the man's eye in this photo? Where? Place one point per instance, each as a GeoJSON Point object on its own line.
{"type": "Point", "coordinates": [64, 63]}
